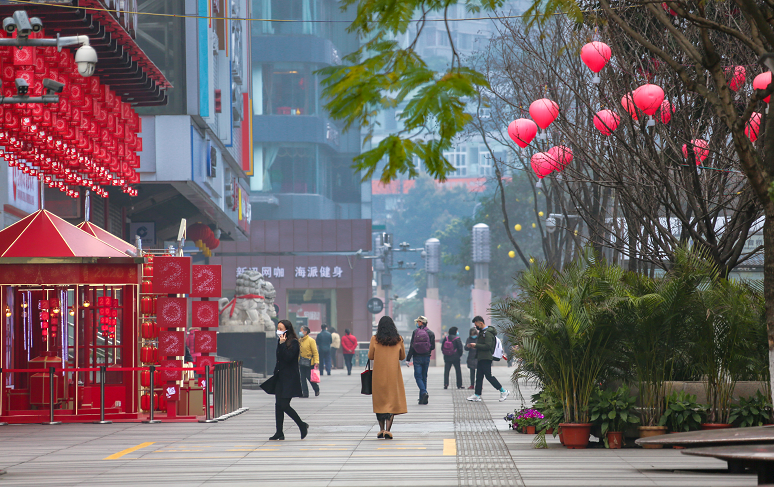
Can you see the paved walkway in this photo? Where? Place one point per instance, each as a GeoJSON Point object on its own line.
{"type": "Point", "coordinates": [450, 442]}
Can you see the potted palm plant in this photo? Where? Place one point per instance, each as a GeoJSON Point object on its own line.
{"type": "Point", "coordinates": [565, 328]}
{"type": "Point", "coordinates": [613, 411]}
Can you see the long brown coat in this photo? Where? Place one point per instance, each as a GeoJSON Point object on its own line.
{"type": "Point", "coordinates": [389, 396]}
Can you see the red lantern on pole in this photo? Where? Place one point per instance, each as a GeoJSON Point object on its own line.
{"type": "Point", "coordinates": [595, 55]}
{"type": "Point", "coordinates": [648, 98]}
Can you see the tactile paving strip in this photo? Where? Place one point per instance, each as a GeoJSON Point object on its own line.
{"type": "Point", "coordinates": [483, 458]}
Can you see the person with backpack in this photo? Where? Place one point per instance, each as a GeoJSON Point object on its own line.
{"type": "Point", "coordinates": [422, 345]}
{"type": "Point", "coordinates": [488, 348]}
{"type": "Point", "coordinates": [452, 352]}
{"type": "Point", "coordinates": [472, 361]}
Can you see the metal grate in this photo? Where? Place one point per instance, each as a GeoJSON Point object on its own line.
{"type": "Point", "coordinates": [482, 455]}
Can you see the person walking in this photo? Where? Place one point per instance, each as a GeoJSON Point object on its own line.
{"type": "Point", "coordinates": [308, 360]}
{"type": "Point", "coordinates": [471, 360]}
{"type": "Point", "coordinates": [348, 347]}
{"type": "Point", "coordinates": [324, 341]}
{"type": "Point", "coordinates": [389, 397]}
{"type": "Point", "coordinates": [422, 345]}
{"type": "Point", "coordinates": [288, 383]}
{"type": "Point", "coordinates": [485, 347]}
{"type": "Point", "coordinates": [451, 347]}
{"type": "Point", "coordinates": [335, 346]}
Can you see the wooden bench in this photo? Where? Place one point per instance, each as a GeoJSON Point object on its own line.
{"type": "Point", "coordinates": [759, 458]}
{"type": "Point", "coordinates": [722, 437]}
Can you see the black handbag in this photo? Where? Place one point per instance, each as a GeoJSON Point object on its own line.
{"type": "Point", "coordinates": [305, 362]}
{"type": "Point", "coordinates": [366, 380]}
{"type": "Point", "coordinates": [270, 385]}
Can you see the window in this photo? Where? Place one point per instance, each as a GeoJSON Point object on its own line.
{"type": "Point", "coordinates": [459, 159]}
{"type": "Point", "coordinates": [484, 113]}
{"type": "Point", "coordinates": [289, 89]}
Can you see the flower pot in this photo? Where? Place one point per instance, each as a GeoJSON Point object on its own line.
{"type": "Point", "coordinates": [715, 426]}
{"type": "Point", "coordinates": [530, 430]}
{"type": "Point", "coordinates": [576, 435]}
{"type": "Point", "coordinates": [550, 431]}
{"type": "Point", "coordinates": [561, 437]}
{"type": "Point", "coordinates": [614, 440]}
{"type": "Point", "coordinates": [648, 431]}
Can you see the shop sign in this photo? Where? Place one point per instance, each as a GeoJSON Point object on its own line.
{"type": "Point", "coordinates": [245, 210]}
{"type": "Point", "coordinates": [23, 191]}
{"type": "Point", "coordinates": [302, 272]}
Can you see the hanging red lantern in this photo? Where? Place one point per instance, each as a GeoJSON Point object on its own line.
{"type": "Point", "coordinates": [543, 164]}
{"type": "Point", "coordinates": [700, 150]}
{"type": "Point", "coordinates": [761, 82]}
{"type": "Point", "coordinates": [737, 76]}
{"type": "Point", "coordinates": [648, 98]}
{"type": "Point", "coordinates": [561, 156]}
{"type": "Point", "coordinates": [522, 131]}
{"type": "Point", "coordinates": [595, 55]}
{"type": "Point", "coordinates": [606, 121]}
{"type": "Point", "coordinates": [753, 126]}
{"type": "Point", "coordinates": [629, 106]}
{"type": "Point", "coordinates": [544, 112]}
{"type": "Point", "coordinates": [666, 111]}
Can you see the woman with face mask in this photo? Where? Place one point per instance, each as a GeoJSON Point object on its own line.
{"type": "Point", "coordinates": [288, 379]}
{"type": "Point", "coordinates": [472, 359]}
{"type": "Point", "coordinates": [307, 361]}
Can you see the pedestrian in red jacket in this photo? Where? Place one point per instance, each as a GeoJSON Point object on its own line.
{"type": "Point", "coordinates": [348, 346]}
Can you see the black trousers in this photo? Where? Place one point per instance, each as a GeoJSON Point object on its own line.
{"type": "Point", "coordinates": [447, 367]}
{"type": "Point", "coordinates": [484, 369]}
{"type": "Point", "coordinates": [306, 376]}
{"type": "Point", "coordinates": [472, 375]}
{"type": "Point", "coordinates": [348, 362]}
{"type": "Point", "coordinates": [281, 408]}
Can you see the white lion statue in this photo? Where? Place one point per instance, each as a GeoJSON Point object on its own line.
{"type": "Point", "coordinates": [252, 308]}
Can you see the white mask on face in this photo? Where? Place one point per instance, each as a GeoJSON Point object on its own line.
{"type": "Point", "coordinates": [280, 333]}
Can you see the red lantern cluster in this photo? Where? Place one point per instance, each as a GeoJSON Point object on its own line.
{"type": "Point", "coordinates": [204, 237]}
{"type": "Point", "coordinates": [108, 316]}
{"type": "Point", "coordinates": [49, 314]}
{"type": "Point", "coordinates": [89, 139]}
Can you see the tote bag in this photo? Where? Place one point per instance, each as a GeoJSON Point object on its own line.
{"type": "Point", "coordinates": [314, 376]}
{"type": "Point", "coordinates": [366, 380]}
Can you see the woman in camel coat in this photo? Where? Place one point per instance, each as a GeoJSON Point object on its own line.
{"type": "Point", "coordinates": [389, 396]}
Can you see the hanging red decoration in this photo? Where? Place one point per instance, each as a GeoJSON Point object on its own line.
{"type": "Point", "coordinates": [629, 106]}
{"type": "Point", "coordinates": [543, 164]}
{"type": "Point", "coordinates": [544, 112]}
{"type": "Point", "coordinates": [666, 111]}
{"type": "Point", "coordinates": [761, 82]}
{"type": "Point", "coordinates": [522, 131]}
{"type": "Point", "coordinates": [737, 76]}
{"type": "Point", "coordinates": [753, 126]}
{"type": "Point", "coordinates": [606, 121]}
{"type": "Point", "coordinates": [595, 55]}
{"type": "Point", "coordinates": [648, 98]}
{"type": "Point", "coordinates": [700, 150]}
{"type": "Point", "coordinates": [561, 156]}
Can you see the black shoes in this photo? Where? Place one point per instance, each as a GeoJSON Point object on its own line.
{"type": "Point", "coordinates": [304, 428]}
{"type": "Point", "coordinates": [445, 387]}
{"type": "Point", "coordinates": [316, 393]}
{"type": "Point", "coordinates": [460, 387]}
{"type": "Point", "coordinates": [423, 398]}
{"type": "Point", "coordinates": [278, 436]}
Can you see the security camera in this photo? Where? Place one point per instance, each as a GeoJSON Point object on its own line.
{"type": "Point", "coordinates": [21, 86]}
{"type": "Point", "coordinates": [86, 59]}
{"type": "Point", "coordinates": [551, 224]}
{"type": "Point", "coordinates": [23, 25]}
{"type": "Point", "coordinates": [37, 24]}
{"type": "Point", "coordinates": [9, 25]}
{"type": "Point", "coordinates": [53, 86]}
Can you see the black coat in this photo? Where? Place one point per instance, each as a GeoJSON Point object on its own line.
{"type": "Point", "coordinates": [472, 360]}
{"type": "Point", "coordinates": [286, 370]}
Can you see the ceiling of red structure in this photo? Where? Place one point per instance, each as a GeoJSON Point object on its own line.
{"type": "Point", "coordinates": [43, 234]}
{"type": "Point", "coordinates": [107, 237]}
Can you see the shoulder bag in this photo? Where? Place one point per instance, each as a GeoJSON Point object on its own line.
{"type": "Point", "coordinates": [366, 380]}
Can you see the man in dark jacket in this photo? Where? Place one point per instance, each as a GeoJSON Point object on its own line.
{"type": "Point", "coordinates": [472, 361]}
{"type": "Point", "coordinates": [324, 340]}
{"type": "Point", "coordinates": [451, 346]}
{"type": "Point", "coordinates": [485, 346]}
{"type": "Point", "coordinates": [421, 347]}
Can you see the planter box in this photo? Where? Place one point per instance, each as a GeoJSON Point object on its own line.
{"type": "Point", "coordinates": [648, 431]}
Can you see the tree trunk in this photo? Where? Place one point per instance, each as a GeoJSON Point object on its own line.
{"type": "Point", "coordinates": [768, 282]}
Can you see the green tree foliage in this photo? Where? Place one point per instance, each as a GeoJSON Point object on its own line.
{"type": "Point", "coordinates": [382, 74]}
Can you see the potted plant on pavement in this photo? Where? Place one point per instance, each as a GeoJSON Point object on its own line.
{"type": "Point", "coordinates": [564, 327]}
{"type": "Point", "coordinates": [682, 412]}
{"type": "Point", "coordinates": [553, 413]}
{"type": "Point", "coordinates": [613, 411]}
{"type": "Point", "coordinates": [529, 419]}
{"type": "Point", "coordinates": [752, 411]}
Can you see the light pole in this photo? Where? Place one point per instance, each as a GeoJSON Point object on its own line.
{"type": "Point", "coordinates": [480, 296]}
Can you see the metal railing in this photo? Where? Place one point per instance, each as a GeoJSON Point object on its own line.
{"type": "Point", "coordinates": [227, 390]}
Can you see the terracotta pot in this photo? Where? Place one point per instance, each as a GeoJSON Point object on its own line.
{"type": "Point", "coordinates": [550, 431]}
{"type": "Point", "coordinates": [648, 431]}
{"type": "Point", "coordinates": [715, 426]}
{"type": "Point", "coordinates": [576, 435]}
{"type": "Point", "coordinates": [530, 430]}
{"type": "Point", "coordinates": [614, 440]}
{"type": "Point", "coordinates": [561, 437]}
{"type": "Point", "coordinates": [677, 447]}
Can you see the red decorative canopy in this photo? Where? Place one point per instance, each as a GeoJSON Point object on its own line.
{"type": "Point", "coordinates": [43, 234]}
{"type": "Point", "coordinates": [107, 237]}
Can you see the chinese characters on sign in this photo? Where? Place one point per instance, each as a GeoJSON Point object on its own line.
{"type": "Point", "coordinates": [325, 272]}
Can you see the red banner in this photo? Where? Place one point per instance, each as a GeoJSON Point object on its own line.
{"type": "Point", "coordinates": [172, 275]}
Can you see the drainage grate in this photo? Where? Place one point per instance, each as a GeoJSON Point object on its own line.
{"type": "Point", "coordinates": [482, 455]}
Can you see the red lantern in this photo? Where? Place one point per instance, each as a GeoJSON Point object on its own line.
{"type": "Point", "coordinates": [738, 76]}
{"type": "Point", "coordinates": [543, 164]}
{"type": "Point", "coordinates": [666, 111]}
{"type": "Point", "coordinates": [544, 112]}
{"type": "Point", "coordinates": [761, 82]}
{"type": "Point", "coordinates": [753, 126]}
{"type": "Point", "coordinates": [561, 156]}
{"type": "Point", "coordinates": [629, 106]}
{"type": "Point", "coordinates": [648, 98]}
{"type": "Point", "coordinates": [606, 121]}
{"type": "Point", "coordinates": [700, 150]}
{"type": "Point", "coordinates": [595, 55]}
{"type": "Point", "coordinates": [522, 131]}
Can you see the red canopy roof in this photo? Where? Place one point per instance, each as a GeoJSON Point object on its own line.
{"type": "Point", "coordinates": [43, 234]}
{"type": "Point", "coordinates": [107, 237]}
